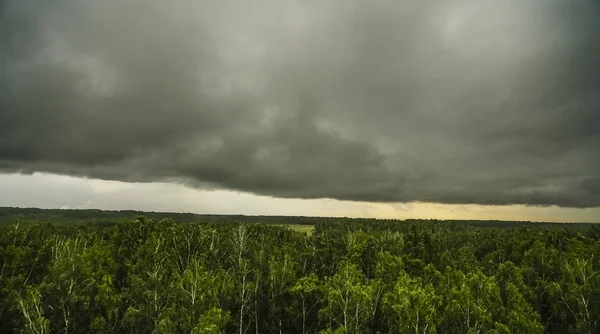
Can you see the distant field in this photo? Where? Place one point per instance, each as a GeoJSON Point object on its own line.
{"type": "Point", "coordinates": [299, 227]}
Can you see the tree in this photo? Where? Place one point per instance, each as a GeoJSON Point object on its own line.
{"type": "Point", "coordinates": [577, 294]}
{"type": "Point", "coordinates": [281, 276]}
{"type": "Point", "coordinates": [412, 307]}
{"type": "Point", "coordinates": [198, 297]}
{"type": "Point", "coordinates": [518, 315]}
{"type": "Point", "coordinates": [472, 302]}
{"type": "Point", "coordinates": [349, 300]}
{"type": "Point", "coordinates": [33, 312]}
{"type": "Point", "coordinates": [306, 291]}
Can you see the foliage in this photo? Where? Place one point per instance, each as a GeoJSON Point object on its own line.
{"type": "Point", "coordinates": [345, 276]}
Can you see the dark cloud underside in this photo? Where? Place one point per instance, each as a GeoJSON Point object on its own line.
{"type": "Point", "coordinates": [486, 102]}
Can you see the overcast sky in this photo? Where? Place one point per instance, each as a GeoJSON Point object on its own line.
{"type": "Point", "coordinates": [457, 109]}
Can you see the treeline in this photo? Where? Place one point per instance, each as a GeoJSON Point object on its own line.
{"type": "Point", "coordinates": [145, 276]}
{"type": "Point", "coordinates": [10, 215]}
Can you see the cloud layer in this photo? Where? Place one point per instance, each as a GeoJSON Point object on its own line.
{"type": "Point", "coordinates": [482, 102]}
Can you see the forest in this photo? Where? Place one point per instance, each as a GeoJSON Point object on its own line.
{"type": "Point", "coordinates": [145, 275]}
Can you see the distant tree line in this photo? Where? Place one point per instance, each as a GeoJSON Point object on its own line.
{"type": "Point", "coordinates": [10, 215]}
{"type": "Point", "coordinates": [146, 276]}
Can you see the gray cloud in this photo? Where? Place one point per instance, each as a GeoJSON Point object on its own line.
{"type": "Point", "coordinates": [485, 102]}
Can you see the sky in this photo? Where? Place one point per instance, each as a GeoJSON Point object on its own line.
{"type": "Point", "coordinates": [474, 109]}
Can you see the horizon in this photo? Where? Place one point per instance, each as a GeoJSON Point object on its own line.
{"type": "Point", "coordinates": [290, 216]}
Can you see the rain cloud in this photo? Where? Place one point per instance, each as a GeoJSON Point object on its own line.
{"type": "Point", "coordinates": [457, 102]}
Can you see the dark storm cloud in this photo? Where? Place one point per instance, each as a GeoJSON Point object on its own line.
{"type": "Point", "coordinates": [489, 102]}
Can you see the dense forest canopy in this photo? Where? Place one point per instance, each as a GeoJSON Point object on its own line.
{"type": "Point", "coordinates": [345, 276]}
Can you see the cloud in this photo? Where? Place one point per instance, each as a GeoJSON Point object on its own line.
{"type": "Point", "coordinates": [457, 102]}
